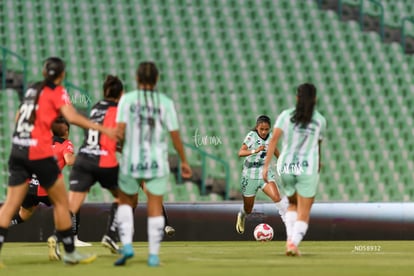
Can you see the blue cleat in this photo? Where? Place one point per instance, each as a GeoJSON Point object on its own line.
{"type": "Point", "coordinates": [153, 260]}
{"type": "Point", "coordinates": [127, 252]}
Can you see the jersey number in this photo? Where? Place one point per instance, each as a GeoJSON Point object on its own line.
{"type": "Point", "coordinates": [22, 123]}
{"type": "Point", "coordinates": [93, 137]}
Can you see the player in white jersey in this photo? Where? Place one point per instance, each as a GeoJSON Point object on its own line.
{"type": "Point", "coordinates": [301, 130]}
{"type": "Point", "coordinates": [145, 119]}
{"type": "Point", "coordinates": [254, 148]}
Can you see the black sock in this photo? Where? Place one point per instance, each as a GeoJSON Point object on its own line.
{"type": "Point", "coordinates": [77, 223]}
{"type": "Point", "coordinates": [67, 239]}
{"type": "Point", "coordinates": [17, 219]}
{"type": "Point", "coordinates": [164, 213]}
{"type": "Point", "coordinates": [3, 235]}
{"type": "Point", "coordinates": [74, 223]}
{"type": "Point", "coordinates": [112, 226]}
{"type": "Point", "coordinates": [58, 237]}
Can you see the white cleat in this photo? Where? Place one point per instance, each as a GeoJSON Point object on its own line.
{"type": "Point", "coordinates": [79, 243]}
{"type": "Point", "coordinates": [240, 223]}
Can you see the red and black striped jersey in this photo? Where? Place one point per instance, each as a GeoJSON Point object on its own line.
{"type": "Point", "coordinates": [34, 140]}
{"type": "Point", "coordinates": [60, 148]}
{"type": "Point", "coordinates": [98, 147]}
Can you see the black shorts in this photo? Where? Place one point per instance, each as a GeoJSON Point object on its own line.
{"type": "Point", "coordinates": [32, 200]}
{"type": "Point", "coordinates": [21, 170]}
{"type": "Point", "coordinates": [85, 173]}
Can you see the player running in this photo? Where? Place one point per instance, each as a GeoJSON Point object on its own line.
{"type": "Point", "coordinates": [301, 130]}
{"type": "Point", "coordinates": [145, 117]}
{"type": "Point", "coordinates": [96, 160]}
{"type": "Point", "coordinates": [254, 148]}
{"type": "Point", "coordinates": [32, 153]}
{"type": "Point", "coordinates": [63, 152]}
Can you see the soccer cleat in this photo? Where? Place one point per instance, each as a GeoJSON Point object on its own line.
{"type": "Point", "coordinates": [153, 260]}
{"type": "Point", "coordinates": [169, 230]}
{"type": "Point", "coordinates": [54, 251]}
{"type": "Point", "coordinates": [109, 243]}
{"type": "Point", "coordinates": [291, 249]}
{"type": "Point", "coordinates": [78, 258]}
{"type": "Point", "coordinates": [79, 243]}
{"type": "Point", "coordinates": [127, 252]}
{"type": "Point", "coordinates": [240, 223]}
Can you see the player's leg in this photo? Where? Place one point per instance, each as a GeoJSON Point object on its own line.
{"type": "Point", "coordinates": [156, 188]}
{"type": "Point", "coordinates": [63, 224]}
{"type": "Point", "coordinates": [168, 229]}
{"type": "Point", "coordinates": [271, 190]}
{"type": "Point", "coordinates": [23, 215]}
{"type": "Point", "coordinates": [249, 188]}
{"type": "Point", "coordinates": [108, 178]}
{"type": "Point", "coordinates": [245, 210]}
{"type": "Point", "coordinates": [76, 224]}
{"type": "Point", "coordinates": [26, 210]}
{"type": "Point", "coordinates": [14, 198]}
{"type": "Point", "coordinates": [50, 178]}
{"type": "Point", "coordinates": [125, 216]}
{"type": "Point", "coordinates": [76, 200]}
{"type": "Point", "coordinates": [306, 190]}
{"type": "Point", "coordinates": [155, 227]}
{"type": "Point", "coordinates": [111, 234]}
{"type": "Point", "coordinates": [301, 225]}
{"type": "Point", "coordinates": [29, 204]}
{"type": "Point", "coordinates": [16, 191]}
{"type": "Point", "coordinates": [287, 184]}
{"type": "Point", "coordinates": [81, 180]}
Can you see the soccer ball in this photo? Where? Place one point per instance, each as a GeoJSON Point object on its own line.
{"type": "Point", "coordinates": [263, 232]}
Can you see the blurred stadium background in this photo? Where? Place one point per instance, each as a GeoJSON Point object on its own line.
{"type": "Point", "coordinates": [225, 62]}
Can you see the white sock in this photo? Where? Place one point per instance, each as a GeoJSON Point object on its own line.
{"type": "Point", "coordinates": [299, 231]}
{"type": "Point", "coordinates": [125, 218]}
{"type": "Point", "coordinates": [282, 206]}
{"type": "Point", "coordinates": [155, 233]}
{"type": "Point", "coordinates": [291, 217]}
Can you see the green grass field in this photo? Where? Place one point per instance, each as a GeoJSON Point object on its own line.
{"type": "Point", "coordinates": [226, 258]}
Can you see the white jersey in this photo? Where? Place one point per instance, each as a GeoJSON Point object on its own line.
{"type": "Point", "coordinates": [300, 146]}
{"type": "Point", "coordinates": [149, 117]}
{"type": "Point", "coordinates": [253, 164]}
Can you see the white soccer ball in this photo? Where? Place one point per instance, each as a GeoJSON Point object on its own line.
{"type": "Point", "coordinates": [263, 232]}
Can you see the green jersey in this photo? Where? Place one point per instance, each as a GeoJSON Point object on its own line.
{"type": "Point", "coordinates": [149, 117]}
{"type": "Point", "coordinates": [300, 146]}
{"type": "Point", "coordinates": [253, 164]}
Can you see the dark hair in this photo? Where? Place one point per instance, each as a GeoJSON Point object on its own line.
{"type": "Point", "coordinates": [57, 126]}
{"type": "Point", "coordinates": [147, 73]}
{"type": "Point", "coordinates": [53, 67]}
{"type": "Point", "coordinates": [112, 87]}
{"type": "Point", "coordinates": [262, 119]}
{"type": "Point", "coordinates": [305, 104]}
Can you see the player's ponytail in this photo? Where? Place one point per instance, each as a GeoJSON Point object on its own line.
{"type": "Point", "coordinates": [306, 100]}
{"type": "Point", "coordinates": [147, 77]}
{"type": "Point", "coordinates": [52, 69]}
